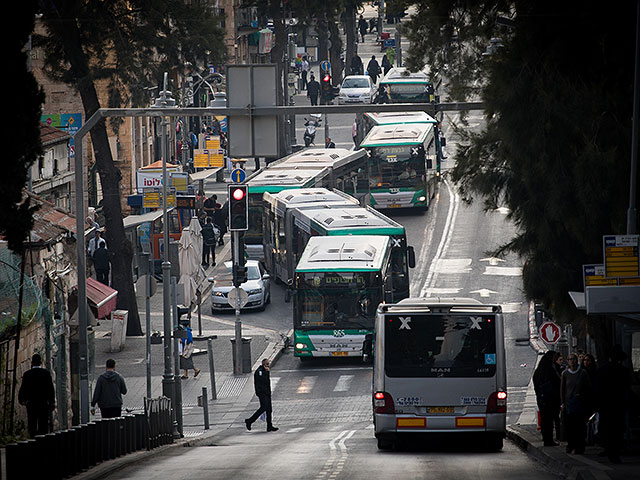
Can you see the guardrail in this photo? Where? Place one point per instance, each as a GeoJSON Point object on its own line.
{"type": "Point", "coordinates": [68, 452]}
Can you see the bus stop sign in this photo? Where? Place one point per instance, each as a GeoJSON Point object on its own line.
{"type": "Point", "coordinates": [550, 332]}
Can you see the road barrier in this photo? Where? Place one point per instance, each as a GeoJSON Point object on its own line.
{"type": "Point", "coordinates": [68, 452]}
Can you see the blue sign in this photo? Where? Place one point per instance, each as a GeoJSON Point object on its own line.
{"type": "Point", "coordinates": [325, 66]}
{"type": "Point", "coordinates": [489, 358]}
{"type": "Point", "coordinates": [238, 175]}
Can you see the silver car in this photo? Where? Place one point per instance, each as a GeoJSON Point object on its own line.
{"type": "Point", "coordinates": [257, 287]}
{"type": "Point", "coordinates": [356, 89]}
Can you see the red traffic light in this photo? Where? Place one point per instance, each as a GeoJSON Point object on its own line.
{"type": "Point", "coordinates": [238, 193]}
{"type": "Point", "coordinates": [326, 78]}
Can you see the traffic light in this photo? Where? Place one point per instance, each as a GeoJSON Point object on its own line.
{"type": "Point", "coordinates": [238, 208]}
{"type": "Point", "coordinates": [326, 89]}
{"type": "Point", "coordinates": [239, 275]}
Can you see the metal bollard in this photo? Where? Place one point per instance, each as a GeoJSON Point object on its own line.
{"type": "Point", "coordinates": [212, 370]}
{"type": "Point", "coordinates": [205, 408]}
{"type": "Point", "coordinates": [78, 448]}
{"type": "Point", "coordinates": [91, 443]}
{"type": "Point", "coordinates": [13, 465]}
{"type": "Point", "coordinates": [111, 438]}
{"type": "Point", "coordinates": [83, 451]}
{"type": "Point", "coordinates": [100, 435]}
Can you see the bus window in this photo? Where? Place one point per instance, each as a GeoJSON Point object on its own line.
{"type": "Point", "coordinates": [440, 346]}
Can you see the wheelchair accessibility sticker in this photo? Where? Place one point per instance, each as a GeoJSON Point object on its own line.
{"type": "Point", "coordinates": [489, 358]}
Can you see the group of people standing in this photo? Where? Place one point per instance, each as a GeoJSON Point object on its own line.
{"type": "Point", "coordinates": [99, 256]}
{"type": "Point", "coordinates": [213, 221]}
{"type": "Point", "coordinates": [570, 395]}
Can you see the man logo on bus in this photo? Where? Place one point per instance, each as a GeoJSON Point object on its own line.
{"type": "Point", "coordinates": [405, 323]}
{"type": "Point", "coordinates": [476, 322]}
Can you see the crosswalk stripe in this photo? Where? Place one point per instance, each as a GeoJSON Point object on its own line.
{"type": "Point", "coordinates": [306, 385]}
{"type": "Point", "coordinates": [274, 382]}
{"type": "Point", "coordinates": [343, 383]}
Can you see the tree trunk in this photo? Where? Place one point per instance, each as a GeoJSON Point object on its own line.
{"type": "Point", "coordinates": [277, 57]}
{"type": "Point", "coordinates": [350, 34]}
{"type": "Point", "coordinates": [337, 66]}
{"type": "Point", "coordinates": [118, 245]}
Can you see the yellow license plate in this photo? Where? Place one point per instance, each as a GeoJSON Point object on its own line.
{"type": "Point", "coordinates": [440, 409]}
{"type": "Point", "coordinates": [394, 205]}
{"type": "Point", "coordinates": [339, 354]}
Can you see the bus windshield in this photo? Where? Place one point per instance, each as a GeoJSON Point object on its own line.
{"type": "Point", "coordinates": [409, 92]}
{"type": "Point", "coordinates": [440, 346]}
{"type": "Point", "coordinates": [337, 300]}
{"type": "Point", "coordinates": [397, 166]}
{"type": "Point", "coordinates": [254, 234]}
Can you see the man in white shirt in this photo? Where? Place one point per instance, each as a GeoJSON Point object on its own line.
{"type": "Point", "coordinates": [94, 242]}
{"type": "Point", "coordinates": [304, 69]}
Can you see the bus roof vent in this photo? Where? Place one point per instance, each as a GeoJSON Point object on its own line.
{"type": "Point", "coordinates": [345, 252]}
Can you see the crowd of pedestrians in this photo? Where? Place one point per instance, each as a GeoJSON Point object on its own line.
{"type": "Point", "coordinates": [582, 396]}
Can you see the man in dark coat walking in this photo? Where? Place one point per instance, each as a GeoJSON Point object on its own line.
{"type": "Point", "coordinates": [362, 26]}
{"type": "Point", "coordinates": [102, 263]}
{"type": "Point", "coordinates": [357, 68]}
{"type": "Point", "coordinates": [262, 383]}
{"type": "Point", "coordinates": [373, 69]}
{"type": "Point", "coordinates": [386, 64]}
{"type": "Point", "coordinates": [37, 393]}
{"type": "Point", "coordinates": [220, 216]}
{"type": "Point", "coordinates": [108, 392]}
{"type": "Point", "coordinates": [313, 89]}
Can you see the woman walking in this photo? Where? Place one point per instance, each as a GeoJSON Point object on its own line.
{"type": "Point", "coordinates": [575, 395]}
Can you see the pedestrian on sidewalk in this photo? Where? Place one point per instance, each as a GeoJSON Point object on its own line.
{"type": "Point", "coordinates": [37, 394]}
{"type": "Point", "coordinates": [186, 355]}
{"type": "Point", "coordinates": [373, 24]}
{"type": "Point", "coordinates": [357, 67]}
{"type": "Point", "coordinates": [613, 387]}
{"type": "Point", "coordinates": [208, 244]}
{"type": "Point", "coordinates": [546, 382]}
{"type": "Point", "coordinates": [108, 392]}
{"type": "Point", "coordinates": [262, 384]}
{"type": "Point", "coordinates": [354, 134]}
{"type": "Point", "coordinates": [575, 392]}
{"type": "Point", "coordinates": [386, 64]}
{"type": "Point", "coordinates": [102, 263]}
{"type": "Point", "coordinates": [362, 26]}
{"type": "Point", "coordinates": [304, 69]}
{"type": "Point", "coordinates": [373, 69]}
{"type": "Point", "coordinates": [313, 89]}
{"type": "Point", "coordinates": [220, 216]}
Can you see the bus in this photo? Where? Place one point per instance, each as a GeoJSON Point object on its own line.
{"type": "Point", "coordinates": [404, 165]}
{"type": "Point", "coordinates": [366, 121]}
{"type": "Point", "coordinates": [339, 283]}
{"type": "Point", "coordinates": [439, 368]}
{"type": "Point", "coordinates": [400, 85]}
{"type": "Point", "coordinates": [339, 168]}
{"type": "Point", "coordinates": [288, 226]}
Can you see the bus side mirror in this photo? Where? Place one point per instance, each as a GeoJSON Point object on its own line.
{"type": "Point", "coordinates": [443, 142]}
{"type": "Point", "coordinates": [429, 163]}
{"type": "Point", "coordinates": [411, 254]}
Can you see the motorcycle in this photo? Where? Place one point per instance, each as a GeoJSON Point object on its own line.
{"type": "Point", "coordinates": [311, 125]}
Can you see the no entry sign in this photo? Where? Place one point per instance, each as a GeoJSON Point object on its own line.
{"type": "Point", "coordinates": [550, 332]}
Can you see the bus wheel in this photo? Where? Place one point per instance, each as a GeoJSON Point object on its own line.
{"type": "Point", "coordinates": [385, 444]}
{"type": "Point", "coordinates": [495, 443]}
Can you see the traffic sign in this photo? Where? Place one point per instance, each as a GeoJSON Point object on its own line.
{"type": "Point", "coordinates": [237, 297]}
{"type": "Point", "coordinates": [593, 276]}
{"type": "Point", "coordinates": [238, 175]}
{"type": "Point", "coordinates": [621, 255]}
{"type": "Point", "coordinates": [550, 332]}
{"type": "Point", "coordinates": [325, 66]}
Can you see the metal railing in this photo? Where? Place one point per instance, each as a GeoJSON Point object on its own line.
{"type": "Point", "coordinates": [68, 452]}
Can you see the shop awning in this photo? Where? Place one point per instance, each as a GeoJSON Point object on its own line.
{"type": "Point", "coordinates": [101, 298]}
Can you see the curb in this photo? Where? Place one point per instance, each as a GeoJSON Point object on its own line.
{"type": "Point", "coordinates": [272, 352]}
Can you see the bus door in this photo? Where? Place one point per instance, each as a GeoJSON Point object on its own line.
{"type": "Point", "coordinates": [175, 232]}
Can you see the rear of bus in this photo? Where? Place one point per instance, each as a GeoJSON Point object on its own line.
{"type": "Point", "coordinates": [439, 369]}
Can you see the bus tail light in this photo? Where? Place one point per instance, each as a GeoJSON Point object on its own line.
{"type": "Point", "coordinates": [497, 402]}
{"type": "Point", "coordinates": [383, 403]}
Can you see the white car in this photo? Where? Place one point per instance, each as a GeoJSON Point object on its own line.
{"type": "Point", "coordinates": [356, 89]}
{"type": "Point", "coordinates": [257, 287]}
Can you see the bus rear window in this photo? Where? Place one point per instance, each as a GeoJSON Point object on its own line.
{"type": "Point", "coordinates": [440, 346]}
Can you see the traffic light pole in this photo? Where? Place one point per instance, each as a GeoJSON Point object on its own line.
{"type": "Point", "coordinates": [237, 366]}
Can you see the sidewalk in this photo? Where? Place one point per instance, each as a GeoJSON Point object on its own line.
{"type": "Point", "coordinates": [590, 465]}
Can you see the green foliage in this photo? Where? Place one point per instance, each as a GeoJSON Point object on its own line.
{"type": "Point", "coordinates": [23, 133]}
{"type": "Point", "coordinates": [556, 147]}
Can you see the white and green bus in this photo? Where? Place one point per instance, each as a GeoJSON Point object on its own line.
{"type": "Point", "coordinates": [404, 165]}
{"type": "Point", "coordinates": [289, 224]}
{"type": "Point", "coordinates": [339, 168]}
{"type": "Point", "coordinates": [366, 121]}
{"type": "Point", "coordinates": [339, 283]}
{"type": "Point", "coordinates": [400, 85]}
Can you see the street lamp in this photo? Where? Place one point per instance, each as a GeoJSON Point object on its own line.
{"type": "Point", "coordinates": [168, 378]}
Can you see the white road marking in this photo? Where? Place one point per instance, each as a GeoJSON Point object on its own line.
{"type": "Point", "coordinates": [274, 382]}
{"type": "Point", "coordinates": [343, 383]}
{"type": "Point", "coordinates": [306, 385]}
{"type": "Point", "coordinates": [295, 430]}
{"type": "Point", "coordinates": [484, 292]}
{"type": "Point", "coordinates": [453, 265]}
{"type": "Point", "coordinates": [506, 271]}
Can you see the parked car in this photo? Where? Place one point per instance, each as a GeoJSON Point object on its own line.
{"type": "Point", "coordinates": [257, 287]}
{"type": "Point", "coordinates": [356, 89]}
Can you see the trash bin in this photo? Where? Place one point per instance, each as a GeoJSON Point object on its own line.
{"type": "Point", "coordinates": [246, 354]}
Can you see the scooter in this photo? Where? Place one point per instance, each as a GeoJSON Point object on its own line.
{"type": "Point", "coordinates": [311, 125]}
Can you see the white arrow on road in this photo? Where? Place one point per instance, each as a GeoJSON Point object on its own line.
{"type": "Point", "coordinates": [484, 292]}
{"type": "Point", "coordinates": [492, 260]}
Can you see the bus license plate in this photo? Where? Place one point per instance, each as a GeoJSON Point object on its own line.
{"type": "Point", "coordinates": [394, 205]}
{"type": "Point", "coordinates": [339, 354]}
{"type": "Point", "coordinates": [440, 410]}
